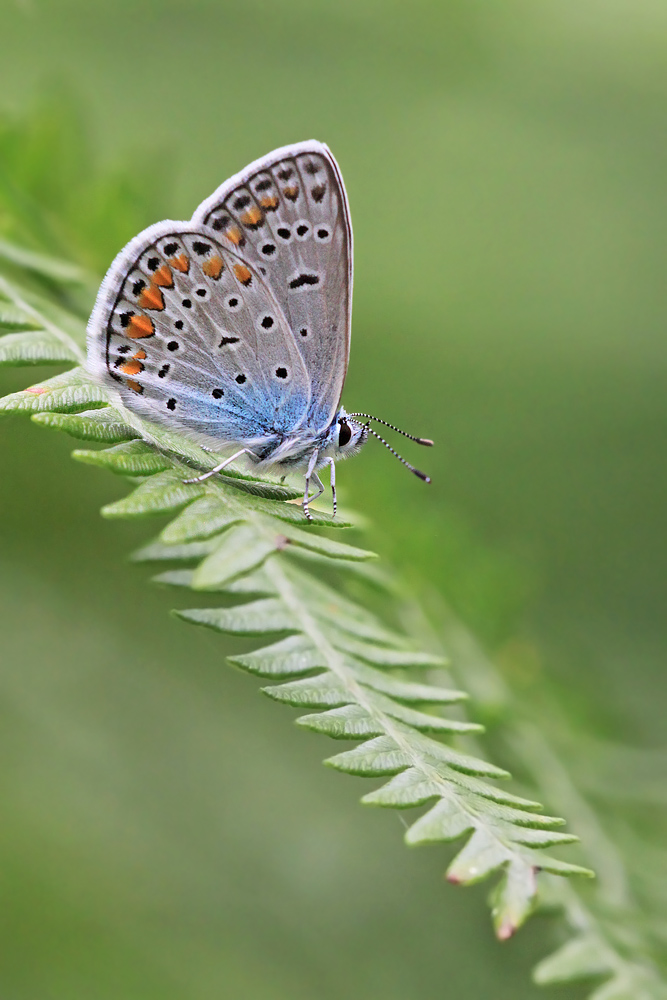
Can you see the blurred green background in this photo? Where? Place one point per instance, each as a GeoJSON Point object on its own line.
{"type": "Point", "coordinates": [166, 833]}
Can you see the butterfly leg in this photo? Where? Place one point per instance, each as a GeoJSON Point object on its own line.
{"type": "Point", "coordinates": [311, 474]}
{"type": "Point", "coordinates": [221, 466]}
{"type": "Point", "coordinates": [330, 461]}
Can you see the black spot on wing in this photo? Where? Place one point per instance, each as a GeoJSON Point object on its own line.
{"type": "Point", "coordinates": [303, 280]}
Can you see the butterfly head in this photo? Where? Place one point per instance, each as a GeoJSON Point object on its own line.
{"type": "Point", "coordinates": [349, 435]}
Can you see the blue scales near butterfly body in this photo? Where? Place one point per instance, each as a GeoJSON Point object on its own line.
{"type": "Point", "coordinates": [234, 328]}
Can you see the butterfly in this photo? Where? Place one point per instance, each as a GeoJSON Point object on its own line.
{"type": "Point", "coordinates": [234, 328]}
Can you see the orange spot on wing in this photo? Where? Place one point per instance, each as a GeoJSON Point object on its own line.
{"type": "Point", "coordinates": [141, 354]}
{"type": "Point", "coordinates": [252, 217]}
{"type": "Point", "coordinates": [181, 263]}
{"type": "Point", "coordinates": [135, 386]}
{"type": "Point", "coordinates": [151, 298]}
{"type": "Point", "coordinates": [291, 192]}
{"type": "Point", "coordinates": [213, 267]}
{"type": "Point", "coordinates": [131, 367]}
{"type": "Point", "coordinates": [234, 234]}
{"type": "Point", "coordinates": [139, 326]}
{"type": "Point", "coordinates": [163, 277]}
{"type": "Point", "coordinates": [269, 202]}
{"type": "Point", "coordinates": [243, 274]}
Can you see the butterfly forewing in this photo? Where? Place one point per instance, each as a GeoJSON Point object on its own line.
{"type": "Point", "coordinates": [236, 326]}
{"type": "Point", "coordinates": [194, 337]}
{"type": "Point", "coordinates": [288, 216]}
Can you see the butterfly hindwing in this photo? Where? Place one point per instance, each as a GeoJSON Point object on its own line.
{"type": "Point", "coordinates": [192, 336]}
{"type": "Point", "coordinates": [287, 214]}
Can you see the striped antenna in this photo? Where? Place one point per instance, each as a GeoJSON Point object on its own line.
{"type": "Point", "coordinates": [422, 475]}
{"type": "Point", "coordinates": [367, 416]}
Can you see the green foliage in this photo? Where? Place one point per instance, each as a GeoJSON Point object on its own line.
{"type": "Point", "coordinates": [326, 620]}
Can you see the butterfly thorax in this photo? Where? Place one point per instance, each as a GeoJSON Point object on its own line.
{"type": "Point", "coordinates": [340, 439]}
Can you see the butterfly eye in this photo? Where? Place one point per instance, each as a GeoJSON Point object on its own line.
{"type": "Point", "coordinates": [344, 433]}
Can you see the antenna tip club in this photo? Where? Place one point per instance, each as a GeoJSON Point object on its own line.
{"type": "Point", "coordinates": [422, 475]}
{"type": "Point", "coordinates": [426, 441]}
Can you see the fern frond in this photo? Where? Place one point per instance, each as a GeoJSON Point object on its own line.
{"type": "Point", "coordinates": [279, 579]}
{"type": "Point", "coordinates": [337, 659]}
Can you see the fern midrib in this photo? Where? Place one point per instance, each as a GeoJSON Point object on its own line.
{"type": "Point", "coordinates": [336, 664]}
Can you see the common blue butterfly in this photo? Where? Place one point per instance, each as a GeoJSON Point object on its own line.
{"type": "Point", "coordinates": [234, 328]}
